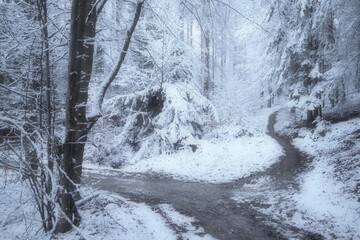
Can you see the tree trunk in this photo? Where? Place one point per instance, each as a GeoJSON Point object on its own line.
{"type": "Point", "coordinates": [42, 5]}
{"type": "Point", "coordinates": [82, 33]}
{"type": "Point", "coordinates": [83, 29]}
{"type": "Point", "coordinates": [357, 77]}
{"type": "Point", "coordinates": [205, 45]}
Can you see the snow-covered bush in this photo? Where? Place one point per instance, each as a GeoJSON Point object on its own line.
{"type": "Point", "coordinates": [160, 119]}
{"type": "Point", "coordinates": [322, 128]}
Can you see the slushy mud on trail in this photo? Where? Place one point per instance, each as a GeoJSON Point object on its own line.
{"type": "Point", "coordinates": [212, 204]}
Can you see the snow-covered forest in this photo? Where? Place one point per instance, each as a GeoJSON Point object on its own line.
{"type": "Point", "coordinates": [159, 119]}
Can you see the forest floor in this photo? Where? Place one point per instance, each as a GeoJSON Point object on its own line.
{"type": "Point", "coordinates": [213, 205]}
{"type": "Point", "coordinates": [297, 197]}
{"type": "Point", "coordinates": [307, 194]}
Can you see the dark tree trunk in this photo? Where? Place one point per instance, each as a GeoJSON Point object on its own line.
{"type": "Point", "coordinates": [205, 42]}
{"type": "Point", "coordinates": [83, 29]}
{"type": "Point", "coordinates": [43, 14]}
{"type": "Point", "coordinates": [81, 52]}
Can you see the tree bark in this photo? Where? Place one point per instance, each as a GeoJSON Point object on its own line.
{"type": "Point", "coordinates": [82, 33]}
{"type": "Point", "coordinates": [205, 43]}
{"type": "Point", "coordinates": [43, 14]}
{"type": "Point", "coordinates": [81, 52]}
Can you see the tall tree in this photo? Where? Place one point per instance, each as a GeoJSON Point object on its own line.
{"type": "Point", "coordinates": [84, 15]}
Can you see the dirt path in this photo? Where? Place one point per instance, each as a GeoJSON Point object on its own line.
{"type": "Point", "coordinates": [291, 164]}
{"type": "Point", "coordinates": [211, 204]}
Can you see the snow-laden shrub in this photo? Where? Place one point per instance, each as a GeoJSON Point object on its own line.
{"type": "Point", "coordinates": [322, 128]}
{"type": "Point", "coordinates": [160, 119]}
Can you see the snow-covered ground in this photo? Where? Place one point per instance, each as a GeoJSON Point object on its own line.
{"type": "Point", "coordinates": [328, 200]}
{"type": "Point", "coordinates": [106, 216]}
{"type": "Point", "coordinates": [330, 190]}
{"type": "Point", "coordinates": [229, 152]}
{"type": "Point", "coordinates": [215, 161]}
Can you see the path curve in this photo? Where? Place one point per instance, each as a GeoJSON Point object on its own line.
{"type": "Point", "coordinates": [209, 203]}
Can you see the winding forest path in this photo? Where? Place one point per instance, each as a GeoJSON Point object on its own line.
{"type": "Point", "coordinates": [212, 204]}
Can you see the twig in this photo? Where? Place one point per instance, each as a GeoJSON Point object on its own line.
{"type": "Point", "coordinates": [243, 16]}
{"type": "Point", "coordinates": [85, 200]}
{"type": "Point", "coordinates": [16, 92]}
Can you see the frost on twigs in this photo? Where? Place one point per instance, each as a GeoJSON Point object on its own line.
{"type": "Point", "coordinates": [160, 119]}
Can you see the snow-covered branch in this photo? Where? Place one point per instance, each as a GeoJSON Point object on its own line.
{"type": "Point", "coordinates": [16, 125]}
{"type": "Point", "coordinates": [107, 82]}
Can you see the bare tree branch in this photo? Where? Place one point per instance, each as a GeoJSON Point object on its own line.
{"type": "Point", "coordinates": [16, 92]}
{"type": "Point", "coordinates": [107, 82]}
{"type": "Point", "coordinates": [100, 5]}
{"type": "Point", "coordinates": [243, 16]}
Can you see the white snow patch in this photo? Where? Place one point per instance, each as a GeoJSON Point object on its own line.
{"type": "Point", "coordinates": [113, 217]}
{"type": "Point", "coordinates": [218, 161]}
{"type": "Point", "coordinates": [323, 200]}
{"type": "Point", "coordinates": [185, 223]}
{"type": "Point", "coordinates": [327, 194]}
{"type": "Point", "coordinates": [18, 216]}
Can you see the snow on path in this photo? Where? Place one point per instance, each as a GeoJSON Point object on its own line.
{"type": "Point", "coordinates": [107, 216]}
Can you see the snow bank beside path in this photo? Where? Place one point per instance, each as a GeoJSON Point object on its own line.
{"type": "Point", "coordinates": [327, 203]}
{"type": "Point", "coordinates": [323, 206]}
{"type": "Point", "coordinates": [216, 161]}
{"type": "Point", "coordinates": [330, 190]}
{"type": "Point", "coordinates": [106, 216]}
